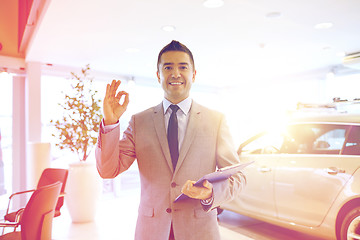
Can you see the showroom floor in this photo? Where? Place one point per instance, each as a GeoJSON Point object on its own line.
{"type": "Point", "coordinates": [116, 219]}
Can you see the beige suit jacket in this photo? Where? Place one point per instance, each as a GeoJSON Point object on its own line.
{"type": "Point", "coordinates": [207, 145]}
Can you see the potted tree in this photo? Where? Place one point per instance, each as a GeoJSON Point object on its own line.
{"type": "Point", "coordinates": [77, 131]}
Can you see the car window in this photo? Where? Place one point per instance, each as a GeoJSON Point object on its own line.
{"type": "Point", "coordinates": [332, 140]}
{"type": "Point", "coordinates": [307, 139]}
{"type": "Point", "coordinates": [314, 139]}
{"type": "Point", "coordinates": [352, 145]}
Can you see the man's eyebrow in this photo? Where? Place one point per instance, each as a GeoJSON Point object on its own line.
{"type": "Point", "coordinates": [171, 63]}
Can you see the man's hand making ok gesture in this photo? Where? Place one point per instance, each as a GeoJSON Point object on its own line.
{"type": "Point", "coordinates": [112, 106]}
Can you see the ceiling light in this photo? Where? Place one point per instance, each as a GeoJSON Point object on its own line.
{"type": "Point", "coordinates": [326, 48]}
{"type": "Point", "coordinates": [213, 3]}
{"type": "Point", "coordinates": [325, 25]}
{"type": "Point", "coordinates": [340, 54]}
{"type": "Point", "coordinates": [273, 15]}
{"type": "Point", "coordinates": [168, 28]}
{"type": "Point", "coordinates": [132, 50]}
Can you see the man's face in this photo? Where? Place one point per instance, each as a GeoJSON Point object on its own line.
{"type": "Point", "coordinates": [176, 75]}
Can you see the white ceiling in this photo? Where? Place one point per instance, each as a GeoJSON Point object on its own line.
{"type": "Point", "coordinates": [233, 44]}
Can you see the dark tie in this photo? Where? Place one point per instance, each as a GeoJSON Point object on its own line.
{"type": "Point", "coordinates": [172, 135]}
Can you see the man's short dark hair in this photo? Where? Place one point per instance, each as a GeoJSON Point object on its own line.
{"type": "Point", "coordinates": [176, 46]}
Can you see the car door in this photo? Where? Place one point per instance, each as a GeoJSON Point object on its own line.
{"type": "Point", "coordinates": [310, 173]}
{"type": "Point", "coordinates": [258, 195]}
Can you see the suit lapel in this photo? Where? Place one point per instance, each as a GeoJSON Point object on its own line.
{"type": "Point", "coordinates": [194, 120]}
{"type": "Point", "coordinates": [158, 118]}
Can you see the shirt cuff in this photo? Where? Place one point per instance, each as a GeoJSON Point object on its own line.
{"type": "Point", "coordinates": [108, 128]}
{"type": "Point", "coordinates": [207, 202]}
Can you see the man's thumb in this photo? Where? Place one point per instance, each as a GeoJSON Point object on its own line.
{"type": "Point", "coordinates": [207, 184]}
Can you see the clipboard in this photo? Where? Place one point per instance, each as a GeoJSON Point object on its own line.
{"type": "Point", "coordinates": [219, 175]}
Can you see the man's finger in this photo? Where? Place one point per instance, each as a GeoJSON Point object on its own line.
{"type": "Point", "coordinates": [117, 84]}
{"type": "Point", "coordinates": [126, 100]}
{"type": "Point", "coordinates": [120, 94]}
{"type": "Point", "coordinates": [207, 184]}
{"type": "Point", "coordinates": [114, 86]}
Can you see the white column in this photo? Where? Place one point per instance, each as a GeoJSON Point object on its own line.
{"type": "Point", "coordinates": [33, 101]}
{"type": "Point", "coordinates": [19, 138]}
{"type": "Point", "coordinates": [38, 153]}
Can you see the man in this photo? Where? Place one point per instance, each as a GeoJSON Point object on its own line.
{"type": "Point", "coordinates": [202, 143]}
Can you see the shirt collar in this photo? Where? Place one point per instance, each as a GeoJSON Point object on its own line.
{"type": "Point", "coordinates": [184, 105]}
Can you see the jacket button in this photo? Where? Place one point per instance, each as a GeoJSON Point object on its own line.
{"type": "Point", "coordinates": [168, 210]}
{"type": "Point", "coordinates": [173, 184]}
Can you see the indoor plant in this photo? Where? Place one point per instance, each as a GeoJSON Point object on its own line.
{"type": "Point", "coordinates": [77, 131]}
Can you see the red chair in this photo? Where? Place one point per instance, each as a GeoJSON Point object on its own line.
{"type": "Point", "coordinates": [48, 176]}
{"type": "Point", "coordinates": [36, 218]}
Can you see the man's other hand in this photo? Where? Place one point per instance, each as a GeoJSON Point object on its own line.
{"type": "Point", "coordinates": [112, 106]}
{"type": "Point", "coordinates": [202, 193]}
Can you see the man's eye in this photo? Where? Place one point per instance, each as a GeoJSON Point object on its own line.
{"type": "Point", "coordinates": [167, 68]}
{"type": "Point", "coordinates": [183, 67]}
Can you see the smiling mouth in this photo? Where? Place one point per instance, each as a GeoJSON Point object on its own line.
{"type": "Point", "coordinates": [176, 83]}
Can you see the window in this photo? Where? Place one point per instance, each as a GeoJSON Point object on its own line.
{"type": "Point", "coordinates": [331, 140]}
{"type": "Point", "coordinates": [5, 138]}
{"type": "Point", "coordinates": [314, 139]}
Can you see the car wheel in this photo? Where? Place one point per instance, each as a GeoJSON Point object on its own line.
{"type": "Point", "coordinates": [350, 227]}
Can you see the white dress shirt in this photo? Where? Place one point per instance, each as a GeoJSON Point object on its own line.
{"type": "Point", "coordinates": [182, 117]}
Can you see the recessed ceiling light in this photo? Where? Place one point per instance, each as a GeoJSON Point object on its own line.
{"type": "Point", "coordinates": [168, 28]}
{"type": "Point", "coordinates": [273, 15]}
{"type": "Point", "coordinates": [340, 54]}
{"type": "Point", "coordinates": [213, 3]}
{"type": "Point", "coordinates": [326, 48]}
{"type": "Point", "coordinates": [325, 25]}
{"type": "Point", "coordinates": [132, 50]}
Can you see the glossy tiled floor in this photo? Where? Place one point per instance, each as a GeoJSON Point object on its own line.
{"type": "Point", "coordinates": [116, 219]}
{"type": "Point", "coordinates": [117, 214]}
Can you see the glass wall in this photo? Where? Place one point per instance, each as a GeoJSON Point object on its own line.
{"type": "Point", "coordinates": [5, 138]}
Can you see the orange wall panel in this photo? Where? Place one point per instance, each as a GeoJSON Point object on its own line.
{"type": "Point", "coordinates": [9, 28]}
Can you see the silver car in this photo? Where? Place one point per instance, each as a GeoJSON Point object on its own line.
{"type": "Point", "coordinates": [305, 178]}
